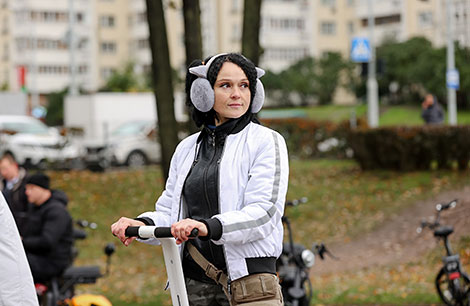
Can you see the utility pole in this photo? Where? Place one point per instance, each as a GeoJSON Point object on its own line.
{"type": "Point", "coordinates": [34, 68]}
{"type": "Point", "coordinates": [372, 87]}
{"type": "Point", "coordinates": [73, 91]}
{"type": "Point", "coordinates": [451, 94]}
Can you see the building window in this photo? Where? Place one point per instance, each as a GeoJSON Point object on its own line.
{"type": "Point", "coordinates": [106, 72]}
{"type": "Point", "coordinates": [286, 24]}
{"type": "Point", "coordinates": [108, 47]}
{"type": "Point", "coordinates": [350, 2]}
{"type": "Point", "coordinates": [142, 17]}
{"type": "Point", "coordinates": [328, 28]}
{"type": "Point", "coordinates": [235, 6]}
{"type": "Point", "coordinates": [285, 54]}
{"type": "Point", "coordinates": [143, 44]}
{"type": "Point", "coordinates": [351, 27]}
{"type": "Point", "coordinates": [107, 21]}
{"type": "Point", "coordinates": [425, 19]}
{"type": "Point", "coordinates": [330, 3]}
{"type": "Point", "coordinates": [236, 32]}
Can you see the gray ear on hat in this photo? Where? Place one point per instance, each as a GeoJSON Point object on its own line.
{"type": "Point", "coordinates": [202, 95]}
{"type": "Point", "coordinates": [258, 99]}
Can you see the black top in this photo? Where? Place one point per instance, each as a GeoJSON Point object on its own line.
{"type": "Point", "coordinates": [201, 195]}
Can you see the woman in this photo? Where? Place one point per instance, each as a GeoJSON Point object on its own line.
{"type": "Point", "coordinates": [229, 181]}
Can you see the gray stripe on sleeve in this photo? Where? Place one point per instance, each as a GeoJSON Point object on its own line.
{"type": "Point", "coordinates": [272, 210]}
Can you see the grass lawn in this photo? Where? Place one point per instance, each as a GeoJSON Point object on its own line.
{"type": "Point", "coordinates": [389, 115]}
{"type": "Point", "coordinates": [343, 202]}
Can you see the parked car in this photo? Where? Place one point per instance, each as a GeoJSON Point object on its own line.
{"type": "Point", "coordinates": [132, 144]}
{"type": "Point", "coordinates": [34, 144]}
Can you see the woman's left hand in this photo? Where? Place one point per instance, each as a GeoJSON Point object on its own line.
{"type": "Point", "coordinates": [182, 229]}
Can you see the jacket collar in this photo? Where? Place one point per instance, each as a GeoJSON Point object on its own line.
{"type": "Point", "coordinates": [232, 126]}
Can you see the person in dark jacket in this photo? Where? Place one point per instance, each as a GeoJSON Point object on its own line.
{"type": "Point", "coordinates": [432, 112]}
{"type": "Point", "coordinates": [12, 185]}
{"type": "Point", "coordinates": [48, 239]}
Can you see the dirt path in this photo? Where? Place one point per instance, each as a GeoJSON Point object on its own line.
{"type": "Point", "coordinates": [397, 240]}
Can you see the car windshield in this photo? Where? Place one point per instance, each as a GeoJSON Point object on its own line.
{"type": "Point", "coordinates": [26, 127]}
{"type": "Point", "coordinates": [131, 128]}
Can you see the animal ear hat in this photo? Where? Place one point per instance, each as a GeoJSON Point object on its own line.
{"type": "Point", "coordinates": [202, 94]}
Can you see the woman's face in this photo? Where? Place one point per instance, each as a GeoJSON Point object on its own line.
{"type": "Point", "coordinates": [232, 93]}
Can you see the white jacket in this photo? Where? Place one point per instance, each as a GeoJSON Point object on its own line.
{"type": "Point", "coordinates": [16, 281]}
{"type": "Point", "coordinates": [253, 179]}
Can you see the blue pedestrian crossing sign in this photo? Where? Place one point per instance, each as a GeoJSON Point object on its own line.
{"type": "Point", "coordinates": [360, 50]}
{"type": "Point", "coordinates": [452, 79]}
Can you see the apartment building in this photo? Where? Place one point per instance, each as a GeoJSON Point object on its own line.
{"type": "Point", "coordinates": [35, 35]}
{"type": "Point", "coordinates": [36, 39]}
{"type": "Point", "coordinates": [110, 38]}
{"type": "Point", "coordinates": [401, 20]}
{"type": "Point", "coordinates": [334, 25]}
{"type": "Point", "coordinates": [139, 50]}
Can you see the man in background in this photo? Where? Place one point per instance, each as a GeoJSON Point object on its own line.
{"type": "Point", "coordinates": [48, 238]}
{"type": "Point", "coordinates": [432, 112]}
{"type": "Point", "coordinates": [13, 188]}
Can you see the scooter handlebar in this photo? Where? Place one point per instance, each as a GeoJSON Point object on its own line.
{"type": "Point", "coordinates": [149, 231]}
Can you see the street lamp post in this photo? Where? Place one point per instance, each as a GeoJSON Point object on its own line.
{"type": "Point", "coordinates": [451, 94]}
{"type": "Point", "coordinates": [372, 87]}
{"type": "Point", "coordinates": [73, 91]}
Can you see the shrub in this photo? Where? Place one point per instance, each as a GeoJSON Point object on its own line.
{"type": "Point", "coordinates": [313, 139]}
{"type": "Point", "coordinates": [411, 148]}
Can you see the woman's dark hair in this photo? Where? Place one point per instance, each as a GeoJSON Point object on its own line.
{"type": "Point", "coordinates": [245, 64]}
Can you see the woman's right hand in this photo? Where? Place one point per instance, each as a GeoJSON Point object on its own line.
{"type": "Point", "coordinates": [118, 229]}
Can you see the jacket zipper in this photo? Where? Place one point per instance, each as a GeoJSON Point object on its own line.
{"type": "Point", "coordinates": [218, 194]}
{"type": "Point", "coordinates": [205, 179]}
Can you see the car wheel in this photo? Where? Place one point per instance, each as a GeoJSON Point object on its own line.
{"type": "Point", "coordinates": [136, 159]}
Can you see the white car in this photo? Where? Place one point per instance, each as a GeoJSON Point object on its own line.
{"type": "Point", "coordinates": [133, 144]}
{"type": "Point", "coordinates": [34, 144]}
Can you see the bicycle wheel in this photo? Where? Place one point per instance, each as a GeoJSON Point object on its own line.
{"type": "Point", "coordinates": [455, 292]}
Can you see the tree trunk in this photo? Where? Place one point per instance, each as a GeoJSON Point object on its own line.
{"type": "Point", "coordinates": [192, 39]}
{"type": "Point", "coordinates": [163, 87]}
{"type": "Point", "coordinates": [251, 25]}
{"type": "Point", "coordinates": [192, 30]}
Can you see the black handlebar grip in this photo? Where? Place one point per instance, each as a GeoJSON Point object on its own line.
{"type": "Point", "coordinates": [132, 231]}
{"type": "Point", "coordinates": [163, 232]}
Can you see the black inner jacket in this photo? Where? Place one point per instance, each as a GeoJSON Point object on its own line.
{"type": "Point", "coordinates": [201, 193]}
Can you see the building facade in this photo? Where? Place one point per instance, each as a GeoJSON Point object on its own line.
{"type": "Point", "coordinates": [36, 36]}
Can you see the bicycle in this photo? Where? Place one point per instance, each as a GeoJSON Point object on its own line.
{"type": "Point", "coordinates": [452, 283]}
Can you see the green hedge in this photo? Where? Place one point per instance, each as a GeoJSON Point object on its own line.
{"type": "Point", "coordinates": [398, 148]}
{"type": "Point", "coordinates": [313, 139]}
{"type": "Point", "coordinates": [411, 148]}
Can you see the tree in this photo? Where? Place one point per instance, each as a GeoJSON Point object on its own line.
{"type": "Point", "coordinates": [163, 87]}
{"type": "Point", "coordinates": [251, 25]}
{"type": "Point", "coordinates": [328, 76]}
{"type": "Point", "coordinates": [417, 67]}
{"type": "Point", "coordinates": [124, 80]}
{"type": "Point", "coordinates": [309, 79]}
{"type": "Point", "coordinates": [55, 107]}
{"type": "Point", "coordinates": [192, 38]}
{"type": "Point", "coordinates": [192, 30]}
